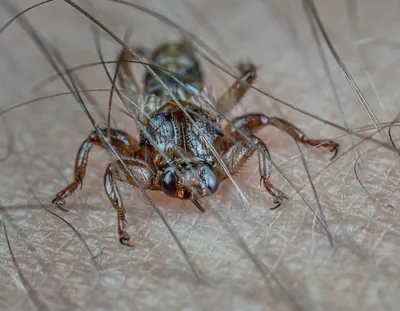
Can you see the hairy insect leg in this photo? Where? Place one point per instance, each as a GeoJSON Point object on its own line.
{"type": "Point", "coordinates": [116, 171]}
{"type": "Point", "coordinates": [250, 123]}
{"type": "Point", "coordinates": [237, 155]}
{"type": "Point", "coordinates": [123, 143]}
{"type": "Point", "coordinates": [227, 101]}
{"type": "Point", "coordinates": [125, 76]}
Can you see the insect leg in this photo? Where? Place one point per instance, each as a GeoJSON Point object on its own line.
{"type": "Point", "coordinates": [116, 171]}
{"type": "Point", "coordinates": [227, 101]}
{"type": "Point", "coordinates": [124, 143]}
{"type": "Point", "coordinates": [125, 76]}
{"type": "Point", "coordinates": [238, 154]}
{"type": "Point", "coordinates": [250, 123]}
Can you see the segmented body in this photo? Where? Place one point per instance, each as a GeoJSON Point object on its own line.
{"type": "Point", "coordinates": [183, 151]}
{"type": "Point", "coordinates": [170, 128]}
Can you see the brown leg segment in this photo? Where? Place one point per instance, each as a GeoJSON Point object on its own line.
{"type": "Point", "coordinates": [116, 171]}
{"type": "Point", "coordinates": [125, 76]}
{"type": "Point", "coordinates": [227, 101]}
{"type": "Point", "coordinates": [238, 154]}
{"type": "Point", "coordinates": [123, 143]}
{"type": "Point", "coordinates": [252, 122]}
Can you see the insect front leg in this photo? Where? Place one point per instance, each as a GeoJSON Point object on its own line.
{"type": "Point", "coordinates": [237, 155]}
{"type": "Point", "coordinates": [227, 101]}
{"type": "Point", "coordinates": [123, 143]}
{"type": "Point", "coordinates": [250, 123]}
{"type": "Point", "coordinates": [116, 171]}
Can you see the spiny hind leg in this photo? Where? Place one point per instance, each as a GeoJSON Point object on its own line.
{"type": "Point", "coordinates": [116, 171]}
{"type": "Point", "coordinates": [234, 94]}
{"type": "Point", "coordinates": [236, 155]}
{"type": "Point", "coordinates": [123, 143]}
{"type": "Point", "coordinates": [250, 123]}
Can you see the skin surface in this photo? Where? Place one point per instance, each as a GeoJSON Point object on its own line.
{"type": "Point", "coordinates": [359, 272]}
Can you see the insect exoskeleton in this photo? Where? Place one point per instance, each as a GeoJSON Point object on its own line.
{"type": "Point", "coordinates": [182, 150]}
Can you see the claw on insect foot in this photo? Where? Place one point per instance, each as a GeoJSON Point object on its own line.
{"type": "Point", "coordinates": [125, 239]}
{"type": "Point", "coordinates": [334, 150]}
{"type": "Point", "coordinates": [59, 203]}
{"type": "Point", "coordinates": [278, 200]}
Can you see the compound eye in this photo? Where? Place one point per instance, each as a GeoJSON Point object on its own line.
{"type": "Point", "coordinates": [169, 184]}
{"type": "Point", "coordinates": [210, 179]}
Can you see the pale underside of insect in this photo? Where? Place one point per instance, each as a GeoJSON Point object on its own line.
{"type": "Point", "coordinates": [173, 154]}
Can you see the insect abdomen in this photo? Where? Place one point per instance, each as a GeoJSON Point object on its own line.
{"type": "Point", "coordinates": [179, 60]}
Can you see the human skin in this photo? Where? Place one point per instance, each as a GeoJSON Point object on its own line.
{"type": "Point", "coordinates": [359, 270]}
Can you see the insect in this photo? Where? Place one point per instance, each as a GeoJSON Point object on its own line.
{"type": "Point", "coordinates": [173, 155]}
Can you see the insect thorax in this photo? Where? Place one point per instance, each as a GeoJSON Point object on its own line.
{"type": "Point", "coordinates": [169, 129]}
{"type": "Point", "coordinates": [175, 135]}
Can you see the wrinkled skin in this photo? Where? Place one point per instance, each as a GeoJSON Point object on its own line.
{"type": "Point", "coordinates": [359, 273]}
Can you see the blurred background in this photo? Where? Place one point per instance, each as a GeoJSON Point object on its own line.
{"type": "Point", "coordinates": [251, 258]}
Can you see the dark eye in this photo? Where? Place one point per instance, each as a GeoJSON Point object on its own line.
{"type": "Point", "coordinates": [169, 184]}
{"type": "Point", "coordinates": [210, 179]}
